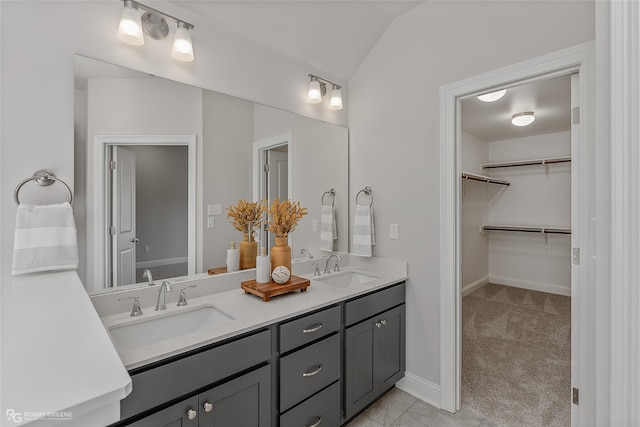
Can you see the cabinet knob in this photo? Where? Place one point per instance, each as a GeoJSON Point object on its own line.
{"type": "Point", "coordinates": [208, 407]}
{"type": "Point", "coordinates": [316, 423]}
{"type": "Point", "coordinates": [314, 372]}
{"type": "Point", "coordinates": [378, 324]}
{"type": "Point", "coordinates": [191, 414]}
{"type": "Point", "coordinates": [384, 322]}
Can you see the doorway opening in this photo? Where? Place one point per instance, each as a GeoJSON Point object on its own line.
{"type": "Point", "coordinates": [579, 61]}
{"type": "Point", "coordinates": [271, 176]}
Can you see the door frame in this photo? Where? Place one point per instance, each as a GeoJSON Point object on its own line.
{"type": "Point", "coordinates": [100, 245]}
{"type": "Point", "coordinates": [579, 59]}
{"type": "Point", "coordinates": [260, 149]}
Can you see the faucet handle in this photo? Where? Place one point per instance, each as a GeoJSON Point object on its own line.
{"type": "Point", "coordinates": [337, 266]}
{"type": "Point", "coordinates": [135, 310]}
{"type": "Point", "coordinates": [317, 272]}
{"type": "Point", "coordinates": [182, 300]}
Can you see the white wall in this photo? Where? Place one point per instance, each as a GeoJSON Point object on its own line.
{"type": "Point", "coordinates": [37, 81]}
{"type": "Point", "coordinates": [394, 128]}
{"type": "Point", "coordinates": [474, 250]}
{"type": "Point", "coordinates": [533, 199]}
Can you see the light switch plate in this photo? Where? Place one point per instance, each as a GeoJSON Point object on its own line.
{"type": "Point", "coordinates": [214, 209]}
{"type": "Point", "coordinates": [314, 225]}
{"type": "Point", "coordinates": [211, 222]}
{"type": "Point", "coordinates": [393, 231]}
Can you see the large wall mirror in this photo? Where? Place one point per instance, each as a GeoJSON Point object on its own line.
{"type": "Point", "coordinates": [158, 163]}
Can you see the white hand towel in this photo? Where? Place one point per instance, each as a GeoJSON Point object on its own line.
{"type": "Point", "coordinates": [328, 229]}
{"type": "Point", "coordinates": [45, 239]}
{"type": "Point", "coordinates": [364, 236]}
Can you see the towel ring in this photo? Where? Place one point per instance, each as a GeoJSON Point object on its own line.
{"type": "Point", "coordinates": [332, 193]}
{"type": "Point", "coordinates": [43, 178]}
{"type": "Point", "coordinates": [366, 190]}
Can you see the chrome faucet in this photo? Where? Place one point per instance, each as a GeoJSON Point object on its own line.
{"type": "Point", "coordinates": [306, 252]}
{"type": "Point", "coordinates": [164, 288]}
{"type": "Point", "coordinates": [336, 267]}
{"type": "Point", "coordinates": [147, 275]}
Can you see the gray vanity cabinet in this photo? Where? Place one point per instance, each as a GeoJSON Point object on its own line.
{"type": "Point", "coordinates": [374, 347]}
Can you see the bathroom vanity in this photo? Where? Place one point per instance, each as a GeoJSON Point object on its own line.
{"type": "Point", "coordinates": [302, 359]}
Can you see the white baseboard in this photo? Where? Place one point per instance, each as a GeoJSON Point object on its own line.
{"type": "Point", "coordinates": [420, 388]}
{"type": "Point", "coordinates": [534, 286]}
{"type": "Point", "coordinates": [470, 287]}
{"type": "Point", "coordinates": [159, 262]}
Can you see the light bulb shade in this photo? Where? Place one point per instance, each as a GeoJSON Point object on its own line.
{"type": "Point", "coordinates": [523, 119]}
{"type": "Point", "coordinates": [314, 96]}
{"type": "Point", "coordinates": [130, 28]}
{"type": "Point", "coordinates": [335, 102]}
{"type": "Point", "coordinates": [182, 46]}
{"type": "Point", "coordinates": [492, 96]}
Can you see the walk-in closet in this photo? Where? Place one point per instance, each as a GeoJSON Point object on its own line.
{"type": "Point", "coordinates": [515, 251]}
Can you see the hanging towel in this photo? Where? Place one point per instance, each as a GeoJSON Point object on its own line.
{"type": "Point", "coordinates": [328, 228]}
{"type": "Point", "coordinates": [45, 239]}
{"type": "Point", "coordinates": [364, 236]}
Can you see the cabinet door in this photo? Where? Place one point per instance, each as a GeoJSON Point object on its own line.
{"type": "Point", "coordinates": [360, 343]}
{"type": "Point", "coordinates": [374, 358]}
{"type": "Point", "coordinates": [242, 402]}
{"type": "Point", "coordinates": [174, 416]}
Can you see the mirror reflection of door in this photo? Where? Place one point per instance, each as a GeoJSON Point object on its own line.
{"type": "Point", "coordinates": [276, 180]}
{"type": "Point", "coordinates": [123, 229]}
{"type": "Point", "coordinates": [148, 209]}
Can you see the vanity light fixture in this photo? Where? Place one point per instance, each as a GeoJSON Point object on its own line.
{"type": "Point", "coordinates": [492, 96]}
{"type": "Point", "coordinates": [318, 88]}
{"type": "Point", "coordinates": [523, 119]}
{"type": "Point", "coordinates": [154, 24]}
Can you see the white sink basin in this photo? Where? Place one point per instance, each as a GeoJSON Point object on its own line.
{"type": "Point", "coordinates": [153, 330]}
{"type": "Point", "coordinates": [346, 278]}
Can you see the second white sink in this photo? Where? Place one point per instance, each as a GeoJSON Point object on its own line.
{"type": "Point", "coordinates": [346, 278]}
{"type": "Point", "coordinates": [143, 332]}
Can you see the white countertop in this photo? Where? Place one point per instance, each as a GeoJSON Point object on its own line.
{"type": "Point", "coordinates": [58, 363]}
{"type": "Point", "coordinates": [248, 311]}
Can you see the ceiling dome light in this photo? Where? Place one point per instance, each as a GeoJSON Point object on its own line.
{"type": "Point", "coordinates": [314, 96]}
{"type": "Point", "coordinates": [182, 46]}
{"type": "Point", "coordinates": [130, 28]}
{"type": "Point", "coordinates": [335, 102]}
{"type": "Point", "coordinates": [492, 96]}
{"type": "Point", "coordinates": [523, 119]}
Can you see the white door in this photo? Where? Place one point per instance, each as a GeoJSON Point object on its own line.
{"type": "Point", "coordinates": [124, 217]}
{"type": "Point", "coordinates": [277, 180]}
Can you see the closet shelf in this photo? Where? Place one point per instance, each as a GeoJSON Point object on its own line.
{"type": "Point", "coordinates": [482, 178]}
{"type": "Point", "coordinates": [542, 230]}
{"type": "Point", "coordinates": [527, 162]}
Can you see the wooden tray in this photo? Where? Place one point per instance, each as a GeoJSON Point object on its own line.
{"type": "Point", "coordinates": [268, 290]}
{"type": "Point", "coordinates": [217, 270]}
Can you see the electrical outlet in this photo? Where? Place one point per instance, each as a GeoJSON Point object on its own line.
{"type": "Point", "coordinates": [314, 225]}
{"type": "Point", "coordinates": [146, 248]}
{"type": "Point", "coordinates": [211, 222]}
{"type": "Point", "coordinates": [393, 231]}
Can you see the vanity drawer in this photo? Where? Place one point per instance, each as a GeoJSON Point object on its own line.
{"type": "Point", "coordinates": [362, 308]}
{"type": "Point", "coordinates": [308, 370]}
{"type": "Point", "coordinates": [163, 383]}
{"type": "Point", "coordinates": [321, 409]}
{"type": "Point", "coordinates": [309, 328]}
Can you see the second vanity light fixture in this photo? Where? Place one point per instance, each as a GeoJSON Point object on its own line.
{"type": "Point", "coordinates": [318, 88]}
{"type": "Point", "coordinates": [154, 24]}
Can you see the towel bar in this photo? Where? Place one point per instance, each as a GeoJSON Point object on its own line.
{"type": "Point", "coordinates": [43, 178]}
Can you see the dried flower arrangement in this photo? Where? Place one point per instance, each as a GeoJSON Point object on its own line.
{"type": "Point", "coordinates": [285, 216]}
{"type": "Point", "coordinates": [246, 212]}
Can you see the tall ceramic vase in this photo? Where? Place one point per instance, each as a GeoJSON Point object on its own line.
{"type": "Point", "coordinates": [281, 253]}
{"type": "Point", "coordinates": [248, 252]}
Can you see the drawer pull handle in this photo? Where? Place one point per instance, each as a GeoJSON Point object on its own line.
{"type": "Point", "coordinates": [208, 407]}
{"type": "Point", "coordinates": [312, 373]}
{"type": "Point", "coordinates": [191, 414]}
{"type": "Point", "coordinates": [314, 328]}
{"type": "Point", "coordinates": [378, 324]}
{"type": "Point", "coordinates": [316, 424]}
{"type": "Point", "coordinates": [384, 322]}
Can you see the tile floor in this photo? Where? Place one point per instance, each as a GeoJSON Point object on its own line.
{"type": "Point", "coordinates": [399, 409]}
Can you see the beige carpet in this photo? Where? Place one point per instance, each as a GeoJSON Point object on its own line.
{"type": "Point", "coordinates": [516, 356]}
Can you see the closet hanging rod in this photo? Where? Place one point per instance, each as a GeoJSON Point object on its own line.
{"type": "Point", "coordinates": [483, 178]}
{"type": "Point", "coordinates": [527, 162]}
{"type": "Point", "coordinates": [542, 230]}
